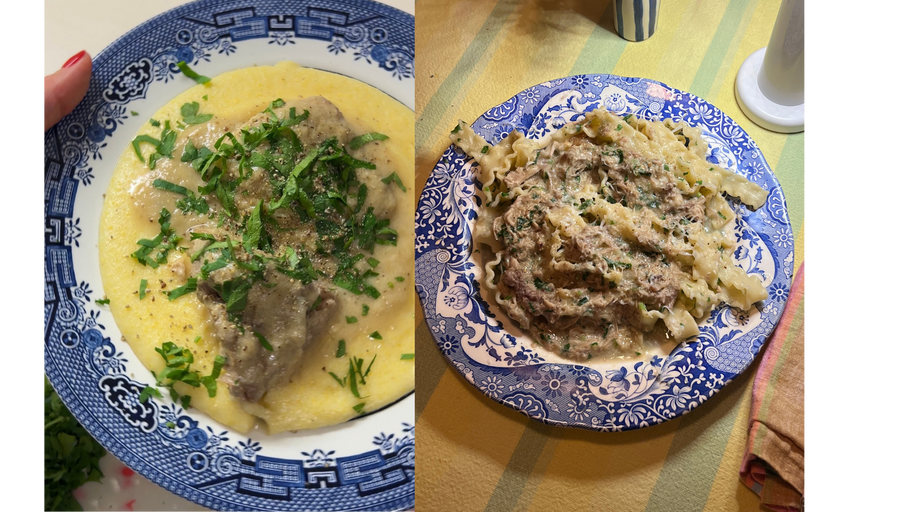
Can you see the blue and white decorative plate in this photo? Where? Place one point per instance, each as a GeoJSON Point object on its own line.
{"type": "Point", "coordinates": [492, 352]}
{"type": "Point", "coordinates": [364, 464]}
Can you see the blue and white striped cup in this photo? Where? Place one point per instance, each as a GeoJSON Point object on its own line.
{"type": "Point", "coordinates": [635, 20]}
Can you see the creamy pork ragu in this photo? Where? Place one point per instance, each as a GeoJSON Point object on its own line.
{"type": "Point", "coordinates": [278, 226]}
{"type": "Point", "coordinates": [576, 297]}
{"type": "Point", "coordinates": [606, 227]}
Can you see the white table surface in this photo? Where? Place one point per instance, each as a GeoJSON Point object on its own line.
{"type": "Point", "coordinates": [71, 26]}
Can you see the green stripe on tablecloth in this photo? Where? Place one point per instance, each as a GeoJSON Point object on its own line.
{"type": "Point", "coordinates": [436, 107]}
{"type": "Point", "coordinates": [790, 172]}
{"type": "Point", "coordinates": [602, 50]}
{"type": "Point", "coordinates": [430, 370]}
{"type": "Point", "coordinates": [524, 457]}
{"type": "Point", "coordinates": [717, 50]}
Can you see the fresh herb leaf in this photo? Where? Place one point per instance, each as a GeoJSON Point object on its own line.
{"type": "Point", "coordinates": [165, 242]}
{"type": "Point", "coordinates": [407, 356]}
{"type": "Point", "coordinates": [209, 381]}
{"type": "Point", "coordinates": [360, 141]}
{"type": "Point", "coordinates": [200, 79]}
{"type": "Point", "coordinates": [142, 286]}
{"type": "Point", "coordinates": [375, 335]}
{"type": "Point", "coordinates": [351, 319]}
{"type": "Point", "coordinates": [189, 287]}
{"type": "Point", "coordinates": [394, 177]}
{"type": "Point", "coordinates": [340, 382]}
{"type": "Point", "coordinates": [341, 349]}
{"type": "Point", "coordinates": [102, 302]}
{"type": "Point", "coordinates": [191, 115]}
{"type": "Point", "coordinates": [262, 341]}
{"type": "Point", "coordinates": [147, 392]}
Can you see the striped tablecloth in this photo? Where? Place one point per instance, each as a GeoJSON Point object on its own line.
{"type": "Point", "coordinates": [475, 454]}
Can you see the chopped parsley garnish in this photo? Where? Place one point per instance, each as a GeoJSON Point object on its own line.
{"type": "Point", "coordinates": [375, 335]}
{"type": "Point", "coordinates": [366, 309]}
{"type": "Point", "coordinates": [541, 285]}
{"type": "Point", "coordinates": [164, 145]}
{"type": "Point", "coordinates": [317, 184]}
{"type": "Point", "coordinates": [102, 302]}
{"type": "Point", "coordinates": [407, 356]}
{"type": "Point", "coordinates": [200, 79]}
{"type": "Point", "coordinates": [209, 380]}
{"type": "Point", "coordinates": [360, 141]}
{"type": "Point", "coordinates": [359, 407]}
{"type": "Point", "coordinates": [153, 252]}
{"type": "Point", "coordinates": [177, 368]}
{"type": "Point", "coordinates": [351, 319]}
{"type": "Point", "coordinates": [180, 291]}
{"type": "Point", "coordinates": [484, 149]}
{"type": "Point", "coordinates": [190, 201]}
{"type": "Point", "coordinates": [262, 341]}
{"type": "Point", "coordinates": [394, 177]}
{"type": "Point", "coordinates": [614, 264]}
{"type": "Point", "coordinates": [191, 115]}
{"type": "Point", "coordinates": [355, 373]}
{"type": "Point", "coordinates": [142, 286]}
{"type": "Point", "coordinates": [341, 349]}
{"type": "Point", "coordinates": [583, 301]}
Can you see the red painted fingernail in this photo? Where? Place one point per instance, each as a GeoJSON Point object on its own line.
{"type": "Point", "coordinates": [74, 59]}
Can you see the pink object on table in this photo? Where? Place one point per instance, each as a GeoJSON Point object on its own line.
{"type": "Point", "coordinates": [773, 465]}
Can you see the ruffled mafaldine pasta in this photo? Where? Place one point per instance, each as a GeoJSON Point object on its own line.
{"type": "Point", "coordinates": [607, 226]}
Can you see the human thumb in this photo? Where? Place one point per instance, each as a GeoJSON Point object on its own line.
{"type": "Point", "coordinates": [64, 89]}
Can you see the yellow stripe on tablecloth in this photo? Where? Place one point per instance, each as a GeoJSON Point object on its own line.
{"type": "Point", "coordinates": [604, 471]}
{"type": "Point", "coordinates": [730, 61]}
{"type": "Point", "coordinates": [484, 86]}
{"type": "Point", "coordinates": [567, 35]}
{"type": "Point", "coordinates": [727, 486]}
{"type": "Point", "coordinates": [471, 60]}
{"type": "Point", "coordinates": [523, 503]}
{"type": "Point", "coordinates": [756, 36]}
{"type": "Point", "coordinates": [642, 59]}
{"type": "Point", "coordinates": [472, 440]}
{"type": "Point", "coordinates": [436, 59]}
{"type": "Point", "coordinates": [691, 43]}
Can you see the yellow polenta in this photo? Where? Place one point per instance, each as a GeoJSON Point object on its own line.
{"type": "Point", "coordinates": [312, 398]}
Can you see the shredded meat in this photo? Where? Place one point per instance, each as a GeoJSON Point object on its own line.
{"type": "Point", "coordinates": [579, 288]}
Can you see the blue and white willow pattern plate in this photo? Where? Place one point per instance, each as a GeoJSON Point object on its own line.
{"type": "Point", "coordinates": [366, 464]}
{"type": "Point", "coordinates": [491, 351]}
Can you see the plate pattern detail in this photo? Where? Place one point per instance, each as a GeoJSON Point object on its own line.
{"type": "Point", "coordinates": [215, 468]}
{"type": "Point", "coordinates": [491, 351]}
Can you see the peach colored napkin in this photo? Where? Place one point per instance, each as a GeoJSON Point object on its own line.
{"type": "Point", "coordinates": [774, 460]}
